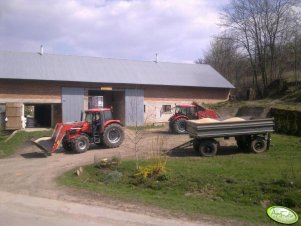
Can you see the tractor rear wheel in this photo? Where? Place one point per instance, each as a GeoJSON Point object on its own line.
{"type": "Point", "coordinates": [179, 126]}
{"type": "Point", "coordinates": [81, 144]}
{"type": "Point", "coordinates": [113, 135]}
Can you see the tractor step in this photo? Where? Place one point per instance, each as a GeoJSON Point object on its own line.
{"type": "Point", "coordinates": [96, 138]}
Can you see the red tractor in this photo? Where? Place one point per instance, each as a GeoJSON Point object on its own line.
{"type": "Point", "coordinates": [183, 112]}
{"type": "Point", "coordinates": [98, 128]}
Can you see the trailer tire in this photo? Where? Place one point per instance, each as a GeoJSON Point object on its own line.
{"type": "Point", "coordinates": [258, 145]}
{"type": "Point", "coordinates": [113, 135]}
{"type": "Point", "coordinates": [179, 126]}
{"type": "Point", "coordinates": [81, 144]}
{"type": "Point", "coordinates": [67, 145]}
{"type": "Point", "coordinates": [208, 148]}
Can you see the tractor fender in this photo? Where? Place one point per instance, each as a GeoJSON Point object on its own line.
{"type": "Point", "coordinates": [180, 116]}
{"type": "Point", "coordinates": [109, 122]}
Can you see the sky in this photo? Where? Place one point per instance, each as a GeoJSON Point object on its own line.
{"type": "Point", "coordinates": [178, 30]}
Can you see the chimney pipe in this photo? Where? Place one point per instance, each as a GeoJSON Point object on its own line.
{"type": "Point", "coordinates": [41, 50]}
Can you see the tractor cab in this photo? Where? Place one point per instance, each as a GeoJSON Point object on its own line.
{"type": "Point", "coordinates": [188, 110]}
{"type": "Point", "coordinates": [96, 120]}
{"type": "Point", "coordinates": [99, 117]}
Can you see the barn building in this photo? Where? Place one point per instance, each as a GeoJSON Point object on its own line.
{"type": "Point", "coordinates": [53, 88]}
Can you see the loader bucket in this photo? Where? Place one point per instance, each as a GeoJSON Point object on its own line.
{"type": "Point", "coordinates": [44, 143]}
{"type": "Point", "coordinates": [50, 144]}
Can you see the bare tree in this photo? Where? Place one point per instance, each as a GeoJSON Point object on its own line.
{"type": "Point", "coordinates": [224, 56]}
{"type": "Point", "coordinates": [261, 28]}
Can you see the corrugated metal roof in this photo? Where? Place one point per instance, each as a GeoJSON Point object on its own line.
{"type": "Point", "coordinates": [52, 67]}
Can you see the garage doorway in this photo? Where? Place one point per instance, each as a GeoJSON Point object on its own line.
{"type": "Point", "coordinates": [39, 115]}
{"type": "Point", "coordinates": [109, 99]}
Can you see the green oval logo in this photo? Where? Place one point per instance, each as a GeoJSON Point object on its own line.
{"type": "Point", "coordinates": [282, 215]}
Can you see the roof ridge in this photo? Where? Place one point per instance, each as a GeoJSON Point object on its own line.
{"type": "Point", "coordinates": [99, 57]}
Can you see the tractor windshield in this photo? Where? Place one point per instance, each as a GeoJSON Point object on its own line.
{"type": "Point", "coordinates": [180, 110]}
{"type": "Point", "coordinates": [89, 117]}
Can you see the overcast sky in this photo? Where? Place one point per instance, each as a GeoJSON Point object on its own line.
{"type": "Point", "coordinates": [179, 30]}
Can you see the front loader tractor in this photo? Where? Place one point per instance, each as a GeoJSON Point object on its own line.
{"type": "Point", "coordinates": [98, 128]}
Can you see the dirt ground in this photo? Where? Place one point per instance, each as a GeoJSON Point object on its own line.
{"type": "Point", "coordinates": [29, 172]}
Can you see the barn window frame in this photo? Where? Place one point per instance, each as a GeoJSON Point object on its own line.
{"type": "Point", "coordinates": [166, 108]}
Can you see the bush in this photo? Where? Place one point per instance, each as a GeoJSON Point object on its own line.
{"type": "Point", "coordinates": [150, 176]}
{"type": "Point", "coordinates": [286, 121]}
{"type": "Point", "coordinates": [113, 177]}
{"type": "Point", "coordinates": [153, 171]}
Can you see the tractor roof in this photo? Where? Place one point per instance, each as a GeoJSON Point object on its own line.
{"type": "Point", "coordinates": [98, 110]}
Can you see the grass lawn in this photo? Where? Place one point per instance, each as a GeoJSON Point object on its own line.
{"type": "Point", "coordinates": [9, 147]}
{"type": "Point", "coordinates": [239, 186]}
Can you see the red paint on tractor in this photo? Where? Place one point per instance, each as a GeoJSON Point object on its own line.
{"type": "Point", "coordinates": [98, 128]}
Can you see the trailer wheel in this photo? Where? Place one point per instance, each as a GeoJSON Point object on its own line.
{"type": "Point", "coordinates": [113, 135]}
{"type": "Point", "coordinates": [179, 126]}
{"type": "Point", "coordinates": [67, 145]}
{"type": "Point", "coordinates": [81, 144]}
{"type": "Point", "coordinates": [258, 145]}
{"type": "Point", "coordinates": [208, 148]}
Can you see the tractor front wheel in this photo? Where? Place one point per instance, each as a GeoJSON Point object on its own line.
{"type": "Point", "coordinates": [113, 135]}
{"type": "Point", "coordinates": [81, 144]}
{"type": "Point", "coordinates": [179, 126]}
{"type": "Point", "coordinates": [67, 145]}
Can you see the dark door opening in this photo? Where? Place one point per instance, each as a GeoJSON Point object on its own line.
{"type": "Point", "coordinates": [38, 115]}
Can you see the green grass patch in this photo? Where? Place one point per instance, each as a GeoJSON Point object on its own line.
{"type": "Point", "coordinates": [146, 127]}
{"type": "Point", "coordinates": [239, 186]}
{"type": "Point", "coordinates": [8, 147]}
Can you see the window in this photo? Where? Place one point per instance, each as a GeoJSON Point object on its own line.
{"type": "Point", "coordinates": [166, 108]}
{"type": "Point", "coordinates": [107, 115]}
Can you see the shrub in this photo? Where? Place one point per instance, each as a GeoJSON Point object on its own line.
{"type": "Point", "coordinates": [150, 176]}
{"type": "Point", "coordinates": [113, 177]}
{"type": "Point", "coordinates": [153, 171]}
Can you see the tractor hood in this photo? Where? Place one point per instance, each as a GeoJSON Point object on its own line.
{"type": "Point", "coordinates": [73, 124]}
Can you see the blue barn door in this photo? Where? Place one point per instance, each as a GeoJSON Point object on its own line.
{"type": "Point", "coordinates": [72, 103]}
{"type": "Point", "coordinates": [134, 107]}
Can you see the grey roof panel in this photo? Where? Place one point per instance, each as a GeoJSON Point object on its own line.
{"type": "Point", "coordinates": [52, 67]}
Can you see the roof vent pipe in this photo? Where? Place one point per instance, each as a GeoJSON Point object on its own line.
{"type": "Point", "coordinates": [41, 50]}
{"type": "Point", "coordinates": [156, 58]}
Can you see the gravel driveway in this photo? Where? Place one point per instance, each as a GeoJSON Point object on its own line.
{"type": "Point", "coordinates": [28, 173]}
